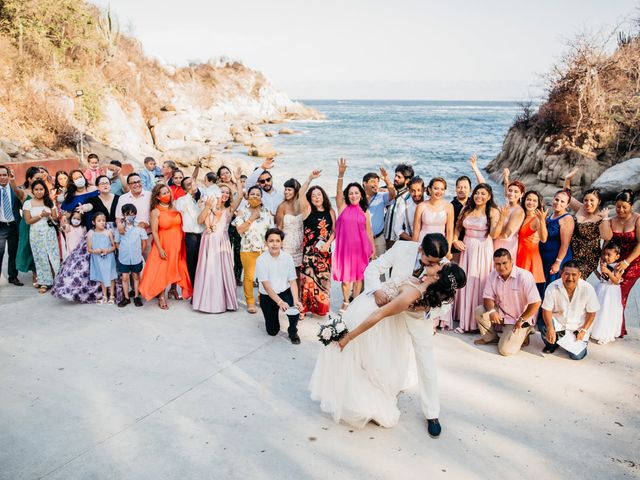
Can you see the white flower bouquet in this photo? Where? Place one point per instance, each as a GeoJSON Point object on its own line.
{"type": "Point", "coordinates": [332, 331]}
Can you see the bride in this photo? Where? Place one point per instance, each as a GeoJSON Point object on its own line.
{"type": "Point", "coordinates": [358, 379]}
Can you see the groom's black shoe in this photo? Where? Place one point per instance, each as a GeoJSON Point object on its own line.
{"type": "Point", "coordinates": [433, 427]}
{"type": "Point", "coordinates": [295, 339]}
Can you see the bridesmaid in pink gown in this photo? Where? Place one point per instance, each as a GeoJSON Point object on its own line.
{"type": "Point", "coordinates": [436, 215]}
{"type": "Point", "coordinates": [481, 222]}
{"type": "Point", "coordinates": [354, 238]}
{"type": "Point", "coordinates": [514, 216]}
{"type": "Point", "coordinates": [214, 287]}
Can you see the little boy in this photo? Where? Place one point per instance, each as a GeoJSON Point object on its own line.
{"type": "Point", "coordinates": [150, 173]}
{"type": "Point", "coordinates": [130, 247]}
{"type": "Point", "coordinates": [276, 276]}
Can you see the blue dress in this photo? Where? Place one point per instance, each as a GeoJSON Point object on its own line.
{"type": "Point", "coordinates": [103, 268]}
{"type": "Point", "coordinates": [550, 249]}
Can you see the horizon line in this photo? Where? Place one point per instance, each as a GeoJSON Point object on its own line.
{"type": "Point", "coordinates": [405, 100]}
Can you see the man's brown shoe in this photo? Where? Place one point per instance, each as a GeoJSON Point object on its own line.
{"type": "Point", "coordinates": [482, 341]}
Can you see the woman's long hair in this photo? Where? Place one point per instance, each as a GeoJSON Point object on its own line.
{"type": "Point", "coordinates": [326, 203]}
{"type": "Point", "coordinates": [71, 186]}
{"type": "Point", "coordinates": [535, 193]}
{"type": "Point", "coordinates": [31, 172]}
{"type": "Point", "coordinates": [47, 198]}
{"type": "Point", "coordinates": [363, 195]}
{"type": "Point", "coordinates": [441, 292]}
{"type": "Point", "coordinates": [471, 205]}
{"type": "Point", "coordinates": [155, 193]}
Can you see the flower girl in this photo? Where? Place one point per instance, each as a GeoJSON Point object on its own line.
{"type": "Point", "coordinates": [608, 320]}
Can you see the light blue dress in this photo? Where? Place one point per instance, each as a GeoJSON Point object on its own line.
{"type": "Point", "coordinates": [102, 268]}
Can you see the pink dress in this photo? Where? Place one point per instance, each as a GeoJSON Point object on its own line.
{"type": "Point", "coordinates": [214, 287]}
{"type": "Point", "coordinates": [73, 238]}
{"type": "Point", "coordinates": [436, 222]}
{"type": "Point", "coordinates": [510, 243]}
{"type": "Point", "coordinates": [353, 248]}
{"type": "Point", "coordinates": [477, 262]}
{"type": "Point", "coordinates": [433, 222]}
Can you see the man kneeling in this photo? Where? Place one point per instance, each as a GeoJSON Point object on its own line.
{"type": "Point", "coordinates": [510, 299]}
{"type": "Point", "coordinates": [569, 308]}
{"type": "Point", "coordinates": [276, 275]}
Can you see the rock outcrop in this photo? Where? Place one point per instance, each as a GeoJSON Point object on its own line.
{"type": "Point", "coordinates": [590, 120]}
{"type": "Point", "coordinates": [130, 102]}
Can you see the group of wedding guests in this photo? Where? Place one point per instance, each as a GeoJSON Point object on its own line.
{"type": "Point", "coordinates": [96, 236]}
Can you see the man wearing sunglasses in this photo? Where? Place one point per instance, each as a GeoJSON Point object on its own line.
{"type": "Point", "coordinates": [271, 196]}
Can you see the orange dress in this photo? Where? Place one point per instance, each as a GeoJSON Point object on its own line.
{"type": "Point", "coordinates": [528, 253]}
{"type": "Point", "coordinates": [158, 274]}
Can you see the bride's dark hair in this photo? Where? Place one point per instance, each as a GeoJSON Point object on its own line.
{"type": "Point", "coordinates": [450, 278]}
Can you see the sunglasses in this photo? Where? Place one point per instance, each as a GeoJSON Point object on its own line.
{"type": "Point", "coordinates": [264, 180]}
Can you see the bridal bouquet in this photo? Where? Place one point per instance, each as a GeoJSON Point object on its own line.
{"type": "Point", "coordinates": [332, 331]}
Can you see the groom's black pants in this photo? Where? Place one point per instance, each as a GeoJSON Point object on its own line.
{"type": "Point", "coordinates": [270, 310]}
{"type": "Point", "coordinates": [192, 246]}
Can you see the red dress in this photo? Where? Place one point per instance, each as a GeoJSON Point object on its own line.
{"type": "Point", "coordinates": [627, 241]}
{"type": "Point", "coordinates": [158, 274]}
{"type": "Point", "coordinates": [528, 253]}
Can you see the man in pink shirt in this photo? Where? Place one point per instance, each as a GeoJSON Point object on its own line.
{"type": "Point", "coordinates": [511, 299]}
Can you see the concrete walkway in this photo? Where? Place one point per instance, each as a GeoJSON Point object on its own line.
{"type": "Point", "coordinates": [98, 392]}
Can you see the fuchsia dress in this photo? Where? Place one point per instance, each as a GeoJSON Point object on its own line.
{"type": "Point", "coordinates": [627, 241]}
{"type": "Point", "coordinates": [352, 248]}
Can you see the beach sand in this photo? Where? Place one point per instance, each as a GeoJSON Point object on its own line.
{"type": "Point", "coordinates": [101, 392]}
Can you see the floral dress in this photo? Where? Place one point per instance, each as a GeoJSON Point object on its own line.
{"type": "Point", "coordinates": [585, 245]}
{"type": "Point", "coordinates": [44, 245]}
{"type": "Point", "coordinates": [315, 276]}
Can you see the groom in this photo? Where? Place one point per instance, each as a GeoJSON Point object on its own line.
{"type": "Point", "coordinates": [401, 261]}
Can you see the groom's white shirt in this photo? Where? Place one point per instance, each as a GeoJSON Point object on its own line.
{"type": "Point", "coordinates": [400, 262]}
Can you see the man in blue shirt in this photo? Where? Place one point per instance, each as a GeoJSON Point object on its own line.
{"type": "Point", "coordinates": [378, 202]}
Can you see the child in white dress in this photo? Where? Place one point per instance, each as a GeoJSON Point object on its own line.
{"type": "Point", "coordinates": [608, 321]}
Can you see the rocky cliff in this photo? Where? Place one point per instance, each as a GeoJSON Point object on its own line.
{"type": "Point", "coordinates": [590, 119]}
{"type": "Point", "coordinates": [66, 69]}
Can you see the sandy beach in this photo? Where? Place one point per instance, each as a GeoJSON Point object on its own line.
{"type": "Point", "coordinates": [107, 393]}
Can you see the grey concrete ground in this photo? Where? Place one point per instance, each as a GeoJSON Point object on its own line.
{"type": "Point", "coordinates": [97, 392]}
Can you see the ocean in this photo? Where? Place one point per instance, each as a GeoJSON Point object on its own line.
{"type": "Point", "coordinates": [435, 137]}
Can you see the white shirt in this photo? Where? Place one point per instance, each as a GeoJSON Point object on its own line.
{"type": "Point", "coordinates": [7, 188]}
{"type": "Point", "coordinates": [190, 210]}
{"type": "Point", "coordinates": [403, 219]}
{"type": "Point", "coordinates": [210, 191]}
{"type": "Point", "coordinates": [278, 271]}
{"type": "Point", "coordinates": [271, 199]}
{"type": "Point", "coordinates": [570, 315]}
{"type": "Point", "coordinates": [142, 203]}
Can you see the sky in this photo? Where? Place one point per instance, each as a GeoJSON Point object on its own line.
{"type": "Point", "coordinates": [375, 49]}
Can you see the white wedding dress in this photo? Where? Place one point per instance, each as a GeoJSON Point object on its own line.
{"type": "Point", "coordinates": [361, 383]}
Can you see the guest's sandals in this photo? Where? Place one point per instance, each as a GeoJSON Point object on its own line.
{"type": "Point", "coordinates": [343, 307]}
{"type": "Point", "coordinates": [102, 301]}
{"type": "Point", "coordinates": [111, 301]}
{"type": "Point", "coordinates": [43, 289]}
{"type": "Point", "coordinates": [174, 293]}
{"type": "Point", "coordinates": [252, 309]}
{"type": "Point", "coordinates": [162, 303]}
{"type": "Point", "coordinates": [458, 330]}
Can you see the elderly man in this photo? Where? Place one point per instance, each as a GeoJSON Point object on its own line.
{"type": "Point", "coordinates": [510, 299]}
{"type": "Point", "coordinates": [569, 308]}
{"type": "Point", "coordinates": [271, 196]}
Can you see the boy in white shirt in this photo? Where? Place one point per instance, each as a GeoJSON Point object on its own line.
{"type": "Point", "coordinates": [276, 276]}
